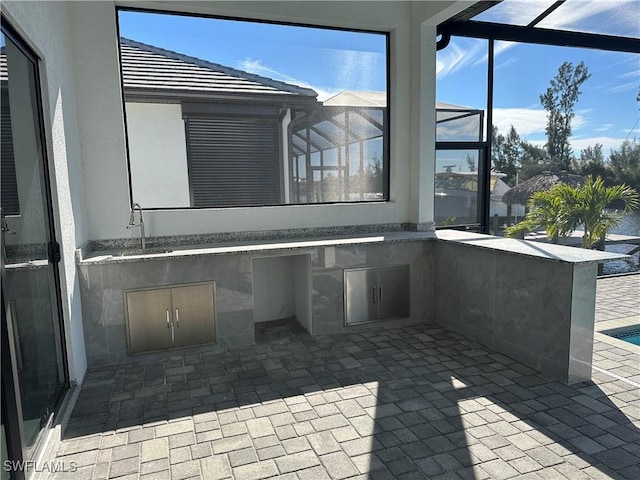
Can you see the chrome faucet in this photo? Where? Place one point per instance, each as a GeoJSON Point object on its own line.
{"type": "Point", "coordinates": [132, 222]}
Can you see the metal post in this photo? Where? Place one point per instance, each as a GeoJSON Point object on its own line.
{"type": "Point", "coordinates": [485, 165]}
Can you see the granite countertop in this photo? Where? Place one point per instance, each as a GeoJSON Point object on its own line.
{"type": "Point", "coordinates": [550, 251]}
{"type": "Point", "coordinates": [158, 252]}
{"type": "Point", "coordinates": [544, 250]}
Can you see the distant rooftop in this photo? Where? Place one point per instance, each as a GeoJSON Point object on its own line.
{"type": "Point", "coordinates": [147, 68]}
{"type": "Point", "coordinates": [349, 98]}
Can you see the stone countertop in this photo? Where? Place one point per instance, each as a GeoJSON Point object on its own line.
{"type": "Point", "coordinates": [543, 250]}
{"type": "Point", "coordinates": [158, 253]}
{"type": "Point", "coordinates": [549, 251]}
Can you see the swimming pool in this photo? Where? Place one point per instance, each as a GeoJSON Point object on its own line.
{"type": "Point", "coordinates": [631, 335]}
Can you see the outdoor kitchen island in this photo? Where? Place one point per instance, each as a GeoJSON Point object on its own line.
{"type": "Point", "coordinates": [489, 288]}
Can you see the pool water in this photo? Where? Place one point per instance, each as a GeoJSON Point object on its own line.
{"type": "Point", "coordinates": [631, 335]}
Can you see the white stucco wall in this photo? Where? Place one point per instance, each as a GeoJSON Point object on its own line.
{"type": "Point", "coordinates": [98, 90]}
{"type": "Point", "coordinates": [45, 27]}
{"type": "Point", "coordinates": [158, 153]}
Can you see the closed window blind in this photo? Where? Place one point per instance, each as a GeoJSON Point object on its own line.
{"type": "Point", "coordinates": [233, 162]}
{"type": "Point", "coordinates": [9, 192]}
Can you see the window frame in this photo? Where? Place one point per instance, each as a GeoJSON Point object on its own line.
{"type": "Point", "coordinates": [386, 136]}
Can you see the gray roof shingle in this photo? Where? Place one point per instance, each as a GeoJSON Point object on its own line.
{"type": "Point", "coordinates": [149, 68]}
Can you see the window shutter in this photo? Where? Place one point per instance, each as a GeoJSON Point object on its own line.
{"type": "Point", "coordinates": [233, 162]}
{"type": "Point", "coordinates": [9, 186]}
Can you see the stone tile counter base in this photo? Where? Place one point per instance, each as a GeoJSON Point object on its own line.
{"type": "Point", "coordinates": [532, 301]}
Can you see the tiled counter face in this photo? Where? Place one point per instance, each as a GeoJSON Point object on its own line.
{"type": "Point", "coordinates": [329, 263]}
{"type": "Point", "coordinates": [527, 308]}
{"type": "Point", "coordinates": [103, 286]}
{"type": "Point", "coordinates": [103, 309]}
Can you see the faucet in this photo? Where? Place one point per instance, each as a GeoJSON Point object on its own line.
{"type": "Point", "coordinates": [132, 222]}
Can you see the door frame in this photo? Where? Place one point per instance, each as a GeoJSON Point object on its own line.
{"type": "Point", "coordinates": [11, 404]}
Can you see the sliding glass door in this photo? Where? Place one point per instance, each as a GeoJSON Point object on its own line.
{"type": "Point", "coordinates": [34, 364]}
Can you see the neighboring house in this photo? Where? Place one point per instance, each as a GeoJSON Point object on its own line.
{"type": "Point", "coordinates": [457, 197]}
{"type": "Point", "coordinates": [203, 134]}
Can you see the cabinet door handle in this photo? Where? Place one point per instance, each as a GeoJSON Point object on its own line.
{"type": "Point", "coordinates": [168, 319]}
{"type": "Point", "coordinates": [380, 294]}
{"type": "Point", "coordinates": [177, 317]}
{"type": "Point", "coordinates": [373, 290]}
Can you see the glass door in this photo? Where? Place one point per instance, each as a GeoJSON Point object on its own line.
{"type": "Point", "coordinates": [30, 253]}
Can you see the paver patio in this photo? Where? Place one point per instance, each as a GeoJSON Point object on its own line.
{"type": "Point", "coordinates": [405, 402]}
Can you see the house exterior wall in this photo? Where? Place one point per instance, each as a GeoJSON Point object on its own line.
{"type": "Point", "coordinates": [94, 36]}
{"type": "Point", "coordinates": [157, 142]}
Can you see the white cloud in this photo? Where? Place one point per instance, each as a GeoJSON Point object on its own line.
{"type": "Point", "coordinates": [526, 121]}
{"type": "Point", "coordinates": [518, 12]}
{"type": "Point", "coordinates": [507, 62]}
{"type": "Point", "coordinates": [578, 144]}
{"type": "Point", "coordinates": [458, 54]}
{"type": "Point", "coordinates": [607, 144]}
{"type": "Point", "coordinates": [619, 16]}
{"type": "Point", "coordinates": [632, 74]}
{"type": "Point", "coordinates": [529, 121]}
{"type": "Point", "coordinates": [257, 67]}
{"type": "Point", "coordinates": [624, 87]}
{"type": "Point", "coordinates": [604, 127]}
{"type": "Point", "coordinates": [464, 52]}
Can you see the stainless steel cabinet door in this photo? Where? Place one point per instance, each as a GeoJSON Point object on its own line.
{"type": "Point", "coordinates": [393, 291]}
{"type": "Point", "coordinates": [149, 320]}
{"type": "Point", "coordinates": [193, 314]}
{"type": "Point", "coordinates": [361, 295]}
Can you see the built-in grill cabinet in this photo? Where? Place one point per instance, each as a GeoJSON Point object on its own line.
{"type": "Point", "coordinates": [377, 293]}
{"type": "Point", "coordinates": [177, 316]}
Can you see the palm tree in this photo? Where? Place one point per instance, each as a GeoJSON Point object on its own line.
{"type": "Point", "coordinates": [564, 208]}
{"type": "Point", "coordinates": [547, 211]}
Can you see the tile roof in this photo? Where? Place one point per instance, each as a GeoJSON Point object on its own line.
{"type": "Point", "coordinates": [145, 67]}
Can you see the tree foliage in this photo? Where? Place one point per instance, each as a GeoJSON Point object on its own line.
{"type": "Point", "coordinates": [625, 163]}
{"type": "Point", "coordinates": [507, 153]}
{"type": "Point", "coordinates": [559, 100]}
{"type": "Point", "coordinates": [563, 209]}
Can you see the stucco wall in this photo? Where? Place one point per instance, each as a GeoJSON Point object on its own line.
{"type": "Point", "coordinates": [103, 141]}
{"type": "Point", "coordinates": [158, 152]}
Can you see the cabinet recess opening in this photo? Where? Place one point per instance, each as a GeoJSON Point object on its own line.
{"type": "Point", "coordinates": [238, 113]}
{"type": "Point", "coordinates": [282, 289]}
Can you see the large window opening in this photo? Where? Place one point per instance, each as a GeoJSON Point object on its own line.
{"type": "Point", "coordinates": [559, 96]}
{"type": "Point", "coordinates": [231, 113]}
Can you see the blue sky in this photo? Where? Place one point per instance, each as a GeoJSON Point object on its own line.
{"type": "Point", "coordinates": [330, 61]}
{"type": "Point", "coordinates": [606, 112]}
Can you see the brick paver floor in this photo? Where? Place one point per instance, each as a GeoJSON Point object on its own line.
{"type": "Point", "coordinates": [618, 297]}
{"type": "Point", "coordinates": [407, 402]}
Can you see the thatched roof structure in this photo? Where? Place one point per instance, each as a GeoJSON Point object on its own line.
{"type": "Point", "coordinates": [521, 193]}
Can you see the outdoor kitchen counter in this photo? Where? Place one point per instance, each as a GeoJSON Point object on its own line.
{"type": "Point", "coordinates": [532, 301]}
{"type": "Point", "coordinates": [549, 251]}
